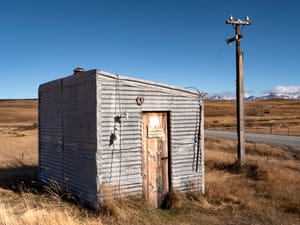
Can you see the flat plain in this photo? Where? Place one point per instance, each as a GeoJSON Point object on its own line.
{"type": "Point", "coordinates": [272, 116]}
{"type": "Point", "coordinates": [264, 191]}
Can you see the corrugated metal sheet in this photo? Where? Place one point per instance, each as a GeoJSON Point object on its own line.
{"type": "Point", "coordinates": [77, 118]}
{"type": "Point", "coordinates": [50, 132]}
{"type": "Point", "coordinates": [120, 165]}
{"type": "Point", "coordinates": [79, 136]}
{"type": "Point", "coordinates": [67, 132]}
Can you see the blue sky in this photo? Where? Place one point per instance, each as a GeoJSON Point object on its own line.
{"type": "Point", "coordinates": [178, 42]}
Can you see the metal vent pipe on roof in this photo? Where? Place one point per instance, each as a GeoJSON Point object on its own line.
{"type": "Point", "coordinates": [78, 70]}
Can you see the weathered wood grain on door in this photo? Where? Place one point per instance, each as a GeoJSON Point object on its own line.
{"type": "Point", "coordinates": [155, 157]}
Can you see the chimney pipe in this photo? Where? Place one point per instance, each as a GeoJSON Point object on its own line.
{"type": "Point", "coordinates": [78, 70]}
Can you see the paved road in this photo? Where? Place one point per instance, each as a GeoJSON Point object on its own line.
{"type": "Point", "coordinates": [290, 141]}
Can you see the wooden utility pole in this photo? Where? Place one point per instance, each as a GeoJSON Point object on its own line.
{"type": "Point", "coordinates": [239, 85]}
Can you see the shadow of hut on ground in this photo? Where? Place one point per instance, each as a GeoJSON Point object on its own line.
{"type": "Point", "coordinates": [21, 177]}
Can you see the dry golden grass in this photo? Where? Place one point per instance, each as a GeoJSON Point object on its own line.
{"type": "Point", "coordinates": [277, 116]}
{"type": "Point", "coordinates": [269, 179]}
{"type": "Point", "coordinates": [39, 216]}
{"type": "Point", "coordinates": [173, 200]}
{"type": "Point", "coordinates": [18, 132]}
{"type": "Point", "coordinates": [18, 112]}
{"type": "Point", "coordinates": [265, 191]}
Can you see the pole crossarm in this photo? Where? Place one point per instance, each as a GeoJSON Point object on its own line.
{"type": "Point", "coordinates": [230, 20]}
{"type": "Point", "coordinates": [238, 22]}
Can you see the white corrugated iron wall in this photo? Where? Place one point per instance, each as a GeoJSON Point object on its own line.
{"type": "Point", "coordinates": [121, 163]}
{"type": "Point", "coordinates": [67, 129]}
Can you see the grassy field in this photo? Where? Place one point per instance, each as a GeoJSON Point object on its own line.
{"type": "Point", "coordinates": [276, 116]}
{"type": "Point", "coordinates": [265, 191]}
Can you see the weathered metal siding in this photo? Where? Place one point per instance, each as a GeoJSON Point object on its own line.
{"type": "Point", "coordinates": [50, 132]}
{"type": "Point", "coordinates": [83, 145]}
{"type": "Point", "coordinates": [67, 143]}
{"type": "Point", "coordinates": [79, 136]}
{"type": "Point", "coordinates": [120, 164]}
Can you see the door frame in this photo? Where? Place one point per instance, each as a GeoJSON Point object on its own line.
{"type": "Point", "coordinates": [168, 122]}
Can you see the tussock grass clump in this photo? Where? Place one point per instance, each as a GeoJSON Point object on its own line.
{"type": "Point", "coordinates": [198, 199]}
{"type": "Point", "coordinates": [256, 171]}
{"type": "Point", "coordinates": [110, 205]}
{"type": "Point", "coordinates": [121, 209]}
{"type": "Point", "coordinates": [54, 191]}
{"type": "Point", "coordinates": [172, 200]}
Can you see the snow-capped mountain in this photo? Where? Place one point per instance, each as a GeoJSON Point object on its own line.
{"type": "Point", "coordinates": [221, 96]}
{"type": "Point", "coordinates": [285, 92]}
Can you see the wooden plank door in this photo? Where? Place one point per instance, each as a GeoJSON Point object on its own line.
{"type": "Point", "coordinates": [155, 157]}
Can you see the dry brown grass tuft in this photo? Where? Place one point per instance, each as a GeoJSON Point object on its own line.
{"type": "Point", "coordinates": [40, 217]}
{"type": "Point", "coordinates": [173, 200]}
{"type": "Point", "coordinates": [30, 211]}
{"type": "Point", "coordinates": [53, 217]}
{"type": "Point", "coordinates": [120, 210]}
{"type": "Point", "coordinates": [282, 186]}
{"type": "Point", "coordinates": [256, 171]}
{"type": "Point", "coordinates": [110, 205]}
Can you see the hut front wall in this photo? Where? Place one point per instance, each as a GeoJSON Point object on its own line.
{"type": "Point", "coordinates": [67, 131]}
{"type": "Point", "coordinates": [120, 162]}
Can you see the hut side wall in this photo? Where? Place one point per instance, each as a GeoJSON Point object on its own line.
{"type": "Point", "coordinates": [68, 135]}
{"type": "Point", "coordinates": [50, 132]}
{"type": "Point", "coordinates": [120, 163]}
{"type": "Point", "coordinates": [79, 136]}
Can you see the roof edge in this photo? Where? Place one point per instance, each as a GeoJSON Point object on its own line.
{"type": "Point", "coordinates": [141, 81]}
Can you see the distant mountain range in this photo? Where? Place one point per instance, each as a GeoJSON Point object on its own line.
{"type": "Point", "coordinates": [284, 92]}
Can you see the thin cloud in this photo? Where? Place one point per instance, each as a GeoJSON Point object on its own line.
{"type": "Point", "coordinates": [283, 90]}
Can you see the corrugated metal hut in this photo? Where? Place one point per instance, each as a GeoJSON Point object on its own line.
{"type": "Point", "coordinates": [134, 136]}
